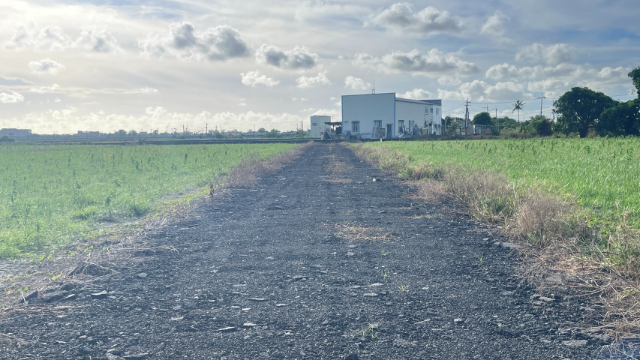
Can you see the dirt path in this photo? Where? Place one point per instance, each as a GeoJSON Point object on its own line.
{"type": "Point", "coordinates": [310, 264]}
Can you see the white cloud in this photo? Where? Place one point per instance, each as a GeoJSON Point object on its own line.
{"type": "Point", "coordinates": [256, 78]}
{"type": "Point", "coordinates": [146, 90]}
{"type": "Point", "coordinates": [479, 90]}
{"type": "Point", "coordinates": [355, 83]}
{"type": "Point", "coordinates": [214, 44]}
{"type": "Point", "coordinates": [11, 81]}
{"type": "Point", "coordinates": [45, 66]}
{"type": "Point", "coordinates": [310, 82]}
{"type": "Point", "coordinates": [97, 40]}
{"type": "Point", "coordinates": [71, 119]}
{"type": "Point", "coordinates": [11, 98]}
{"type": "Point", "coordinates": [416, 94]}
{"type": "Point", "coordinates": [555, 80]}
{"type": "Point", "coordinates": [45, 89]}
{"type": "Point", "coordinates": [400, 16]}
{"type": "Point", "coordinates": [299, 57]}
{"type": "Point", "coordinates": [494, 26]}
{"type": "Point", "coordinates": [433, 63]}
{"type": "Point", "coordinates": [51, 38]}
{"type": "Point", "coordinates": [319, 9]}
{"type": "Point", "coordinates": [551, 55]}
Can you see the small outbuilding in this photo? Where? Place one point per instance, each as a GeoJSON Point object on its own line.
{"type": "Point", "coordinates": [386, 116]}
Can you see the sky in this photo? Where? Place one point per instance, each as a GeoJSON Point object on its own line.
{"type": "Point", "coordinates": [145, 65]}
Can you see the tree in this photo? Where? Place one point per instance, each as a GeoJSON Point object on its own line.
{"type": "Point", "coordinates": [635, 77]}
{"type": "Point", "coordinates": [517, 106]}
{"type": "Point", "coordinates": [579, 110]}
{"type": "Point", "coordinates": [483, 118]}
{"type": "Point", "coordinates": [622, 119]}
{"type": "Point", "coordinates": [262, 130]}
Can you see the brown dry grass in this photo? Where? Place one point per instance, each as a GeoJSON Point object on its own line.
{"type": "Point", "coordinates": [568, 252]}
{"type": "Point", "coordinates": [350, 231]}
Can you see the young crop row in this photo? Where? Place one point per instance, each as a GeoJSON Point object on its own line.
{"type": "Point", "coordinates": [601, 174]}
{"type": "Point", "coordinates": [50, 195]}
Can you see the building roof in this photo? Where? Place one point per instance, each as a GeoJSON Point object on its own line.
{"type": "Point", "coordinates": [437, 102]}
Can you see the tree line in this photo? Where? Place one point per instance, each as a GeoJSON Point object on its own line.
{"type": "Point", "coordinates": [580, 111]}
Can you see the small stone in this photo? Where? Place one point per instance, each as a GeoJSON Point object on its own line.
{"type": "Point", "coordinates": [136, 356]}
{"type": "Point", "coordinates": [227, 329]}
{"type": "Point", "coordinates": [100, 295]}
{"type": "Point", "coordinates": [352, 246]}
{"type": "Point", "coordinates": [425, 288]}
{"type": "Point", "coordinates": [113, 357]}
{"type": "Point", "coordinates": [299, 277]}
{"type": "Point", "coordinates": [547, 299]}
{"type": "Point", "coordinates": [370, 295]}
{"type": "Point", "coordinates": [246, 309]}
{"type": "Point", "coordinates": [269, 258]}
{"type": "Point", "coordinates": [457, 320]}
{"type": "Point", "coordinates": [555, 279]}
{"type": "Point", "coordinates": [350, 253]}
{"type": "Point", "coordinates": [376, 284]}
{"type": "Point", "coordinates": [506, 293]}
{"type": "Point", "coordinates": [142, 275]}
{"type": "Point", "coordinates": [248, 324]}
{"type": "Point", "coordinates": [575, 343]}
{"type": "Point", "coordinates": [177, 307]}
{"type": "Point", "coordinates": [177, 318]}
{"type": "Point", "coordinates": [257, 299]}
{"type": "Point", "coordinates": [281, 305]}
{"type": "Point", "coordinates": [60, 342]}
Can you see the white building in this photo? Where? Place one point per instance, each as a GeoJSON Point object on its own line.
{"type": "Point", "coordinates": [318, 125]}
{"type": "Point", "coordinates": [375, 116]}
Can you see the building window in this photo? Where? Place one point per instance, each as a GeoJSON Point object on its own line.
{"type": "Point", "coordinates": [377, 123]}
{"type": "Point", "coordinates": [432, 110]}
{"type": "Point", "coordinates": [426, 110]}
{"type": "Point", "coordinates": [355, 127]}
{"type": "Point", "coordinates": [437, 111]}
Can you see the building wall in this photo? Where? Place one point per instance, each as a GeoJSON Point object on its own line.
{"type": "Point", "coordinates": [317, 125]}
{"type": "Point", "coordinates": [422, 114]}
{"type": "Point", "coordinates": [408, 112]}
{"type": "Point", "coordinates": [365, 109]}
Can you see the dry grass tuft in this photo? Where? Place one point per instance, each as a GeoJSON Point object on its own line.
{"type": "Point", "coordinates": [541, 220]}
{"type": "Point", "coordinates": [354, 232]}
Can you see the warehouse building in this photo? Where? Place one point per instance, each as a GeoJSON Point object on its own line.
{"type": "Point", "coordinates": [385, 116]}
{"type": "Point", "coordinates": [15, 132]}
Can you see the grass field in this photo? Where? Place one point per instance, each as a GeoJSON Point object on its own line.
{"type": "Point", "coordinates": [602, 174]}
{"type": "Point", "coordinates": [53, 194]}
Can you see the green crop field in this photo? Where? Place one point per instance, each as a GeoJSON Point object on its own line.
{"type": "Point", "coordinates": [602, 174]}
{"type": "Point", "coordinates": [54, 194]}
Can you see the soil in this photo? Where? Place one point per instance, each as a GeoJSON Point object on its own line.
{"type": "Point", "coordinates": [313, 262]}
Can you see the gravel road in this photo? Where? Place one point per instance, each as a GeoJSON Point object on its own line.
{"type": "Point", "coordinates": [315, 262]}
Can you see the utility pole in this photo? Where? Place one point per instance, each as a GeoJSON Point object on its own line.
{"type": "Point", "coordinates": [466, 115]}
{"type": "Point", "coordinates": [497, 122]}
{"type": "Point", "coordinates": [541, 99]}
{"type": "Point", "coordinates": [206, 128]}
{"type": "Point", "coordinates": [488, 108]}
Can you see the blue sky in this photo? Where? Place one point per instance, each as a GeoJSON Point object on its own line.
{"type": "Point", "coordinates": [147, 65]}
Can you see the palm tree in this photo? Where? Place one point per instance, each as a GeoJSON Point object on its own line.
{"type": "Point", "coordinates": [518, 105]}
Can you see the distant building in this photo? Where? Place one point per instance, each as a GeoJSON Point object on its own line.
{"type": "Point", "coordinates": [318, 125]}
{"type": "Point", "coordinates": [89, 133]}
{"type": "Point", "coordinates": [15, 132]}
{"type": "Point", "coordinates": [377, 116]}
